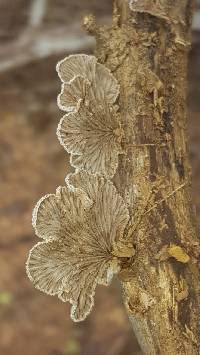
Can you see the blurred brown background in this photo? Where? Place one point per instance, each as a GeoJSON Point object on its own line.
{"type": "Point", "coordinates": [34, 35]}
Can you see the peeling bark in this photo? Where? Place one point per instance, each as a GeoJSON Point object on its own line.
{"type": "Point", "coordinates": [147, 51]}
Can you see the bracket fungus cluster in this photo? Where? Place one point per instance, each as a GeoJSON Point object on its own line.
{"type": "Point", "coordinates": [91, 130]}
{"type": "Point", "coordinates": [81, 224]}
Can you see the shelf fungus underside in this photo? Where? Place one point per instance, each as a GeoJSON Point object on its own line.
{"type": "Point", "coordinates": [82, 225]}
{"type": "Point", "coordinates": [91, 129]}
{"type": "Point", "coordinates": [79, 226]}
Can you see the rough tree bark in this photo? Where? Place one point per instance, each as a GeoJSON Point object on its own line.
{"type": "Point", "coordinates": [147, 50]}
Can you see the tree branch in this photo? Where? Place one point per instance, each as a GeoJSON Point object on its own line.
{"type": "Point", "coordinates": [147, 50]}
{"type": "Point", "coordinates": [41, 44]}
{"type": "Point", "coordinates": [37, 12]}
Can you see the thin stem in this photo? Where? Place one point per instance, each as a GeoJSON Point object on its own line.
{"type": "Point", "coordinates": [133, 228]}
{"type": "Point", "coordinates": [166, 197]}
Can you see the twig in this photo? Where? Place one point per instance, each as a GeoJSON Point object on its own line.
{"type": "Point", "coordinates": [144, 212]}
{"type": "Point", "coordinates": [42, 44]}
{"type": "Point", "coordinates": [166, 197]}
{"type": "Point", "coordinates": [37, 12]}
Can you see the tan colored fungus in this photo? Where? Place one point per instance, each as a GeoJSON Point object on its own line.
{"type": "Point", "coordinates": [79, 227]}
{"type": "Point", "coordinates": [91, 131]}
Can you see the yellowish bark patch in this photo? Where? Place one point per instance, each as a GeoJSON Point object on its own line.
{"type": "Point", "coordinates": [178, 253]}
